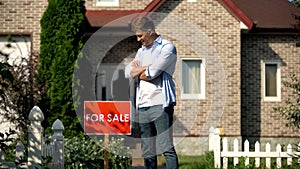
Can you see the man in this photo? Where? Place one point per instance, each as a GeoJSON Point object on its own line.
{"type": "Point", "coordinates": [153, 67]}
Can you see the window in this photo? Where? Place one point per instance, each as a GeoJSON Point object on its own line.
{"type": "Point", "coordinates": [107, 2]}
{"type": "Point", "coordinates": [14, 48]}
{"type": "Point", "coordinates": [193, 79]}
{"type": "Point", "coordinates": [271, 81]}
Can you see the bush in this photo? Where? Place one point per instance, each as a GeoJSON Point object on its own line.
{"type": "Point", "coordinates": [8, 143]}
{"type": "Point", "coordinates": [19, 90]}
{"type": "Point", "coordinates": [86, 152]}
{"type": "Point", "coordinates": [62, 28]}
{"type": "Point", "coordinates": [291, 110]}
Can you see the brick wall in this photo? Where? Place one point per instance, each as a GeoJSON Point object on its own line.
{"type": "Point", "coordinates": [222, 30]}
{"type": "Point", "coordinates": [249, 116]}
{"type": "Point", "coordinates": [22, 17]}
{"type": "Point", "coordinates": [258, 116]}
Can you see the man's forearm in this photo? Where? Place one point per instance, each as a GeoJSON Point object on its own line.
{"type": "Point", "coordinates": [135, 72]}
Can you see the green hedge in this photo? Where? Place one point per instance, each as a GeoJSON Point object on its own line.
{"type": "Point", "coordinates": [61, 42]}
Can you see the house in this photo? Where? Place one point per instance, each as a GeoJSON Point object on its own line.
{"type": "Point", "coordinates": [21, 20]}
{"type": "Point", "coordinates": [239, 51]}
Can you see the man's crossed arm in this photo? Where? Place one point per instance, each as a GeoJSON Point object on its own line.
{"type": "Point", "coordinates": [138, 70]}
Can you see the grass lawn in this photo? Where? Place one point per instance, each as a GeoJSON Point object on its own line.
{"type": "Point", "coordinates": [192, 162]}
{"type": "Point", "coordinates": [206, 161]}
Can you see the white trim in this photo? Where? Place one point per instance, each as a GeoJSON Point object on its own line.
{"type": "Point", "coordinates": [243, 26]}
{"type": "Point", "coordinates": [20, 49]}
{"type": "Point", "coordinates": [278, 81]}
{"type": "Point", "coordinates": [203, 80]}
{"type": "Point", "coordinates": [99, 3]}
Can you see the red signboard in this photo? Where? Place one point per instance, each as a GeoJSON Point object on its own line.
{"type": "Point", "coordinates": [107, 117]}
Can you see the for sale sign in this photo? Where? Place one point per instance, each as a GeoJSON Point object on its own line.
{"type": "Point", "coordinates": [107, 117]}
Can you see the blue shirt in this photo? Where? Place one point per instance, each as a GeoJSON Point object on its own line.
{"type": "Point", "coordinates": [164, 57]}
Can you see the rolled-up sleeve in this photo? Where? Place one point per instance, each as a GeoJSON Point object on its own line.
{"type": "Point", "coordinates": [129, 67]}
{"type": "Point", "coordinates": [164, 62]}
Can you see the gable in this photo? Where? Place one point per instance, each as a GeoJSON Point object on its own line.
{"type": "Point", "coordinates": [258, 14]}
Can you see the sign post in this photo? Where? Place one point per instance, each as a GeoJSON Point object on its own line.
{"type": "Point", "coordinates": [107, 118]}
{"type": "Point", "coordinates": [106, 143]}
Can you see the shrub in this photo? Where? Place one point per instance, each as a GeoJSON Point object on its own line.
{"type": "Point", "coordinates": [291, 110]}
{"type": "Point", "coordinates": [61, 42]}
{"type": "Point", "coordinates": [8, 143]}
{"type": "Point", "coordinates": [86, 152]}
{"type": "Point", "coordinates": [19, 90]}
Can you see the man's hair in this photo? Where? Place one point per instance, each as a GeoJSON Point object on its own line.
{"type": "Point", "coordinates": [142, 24]}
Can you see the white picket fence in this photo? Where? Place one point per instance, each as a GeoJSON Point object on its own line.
{"type": "Point", "coordinates": [215, 146]}
{"type": "Point", "coordinates": [37, 148]}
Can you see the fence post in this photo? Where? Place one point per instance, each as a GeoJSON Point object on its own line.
{"type": "Point", "coordinates": [236, 150]}
{"type": "Point", "coordinates": [257, 150]}
{"type": "Point", "coordinates": [35, 131]}
{"type": "Point", "coordinates": [225, 150]}
{"type": "Point", "coordinates": [217, 149]}
{"type": "Point", "coordinates": [278, 159]}
{"type": "Point", "coordinates": [289, 151]}
{"type": "Point", "coordinates": [211, 137]}
{"type": "Point", "coordinates": [2, 156]}
{"type": "Point", "coordinates": [19, 151]}
{"type": "Point", "coordinates": [246, 150]}
{"type": "Point", "coordinates": [268, 159]}
{"type": "Point", "coordinates": [298, 150]}
{"type": "Point", "coordinates": [58, 145]}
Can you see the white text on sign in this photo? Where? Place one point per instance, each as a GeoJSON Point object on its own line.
{"type": "Point", "coordinates": [110, 117]}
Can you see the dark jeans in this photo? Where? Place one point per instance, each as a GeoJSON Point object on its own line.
{"type": "Point", "coordinates": [156, 136]}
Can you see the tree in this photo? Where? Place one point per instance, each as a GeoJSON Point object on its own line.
{"type": "Point", "coordinates": [19, 90]}
{"type": "Point", "coordinates": [291, 109]}
{"type": "Point", "coordinates": [61, 41]}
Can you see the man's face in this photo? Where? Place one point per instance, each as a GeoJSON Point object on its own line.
{"type": "Point", "coordinates": [144, 38]}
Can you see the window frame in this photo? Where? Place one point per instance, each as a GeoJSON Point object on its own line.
{"type": "Point", "coordinates": [201, 95]}
{"type": "Point", "coordinates": [99, 3]}
{"type": "Point", "coordinates": [278, 81]}
{"type": "Point", "coordinates": [21, 47]}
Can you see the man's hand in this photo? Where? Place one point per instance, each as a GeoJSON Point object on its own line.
{"type": "Point", "coordinates": [137, 69]}
{"type": "Point", "coordinates": [136, 63]}
{"type": "Point", "coordinates": [143, 76]}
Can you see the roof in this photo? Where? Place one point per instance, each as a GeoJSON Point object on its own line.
{"type": "Point", "coordinates": [236, 11]}
{"type": "Point", "coordinates": [265, 14]}
{"type": "Point", "coordinates": [255, 14]}
{"type": "Point", "coordinates": [99, 18]}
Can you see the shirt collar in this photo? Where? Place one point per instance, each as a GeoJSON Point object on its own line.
{"type": "Point", "coordinates": [157, 41]}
